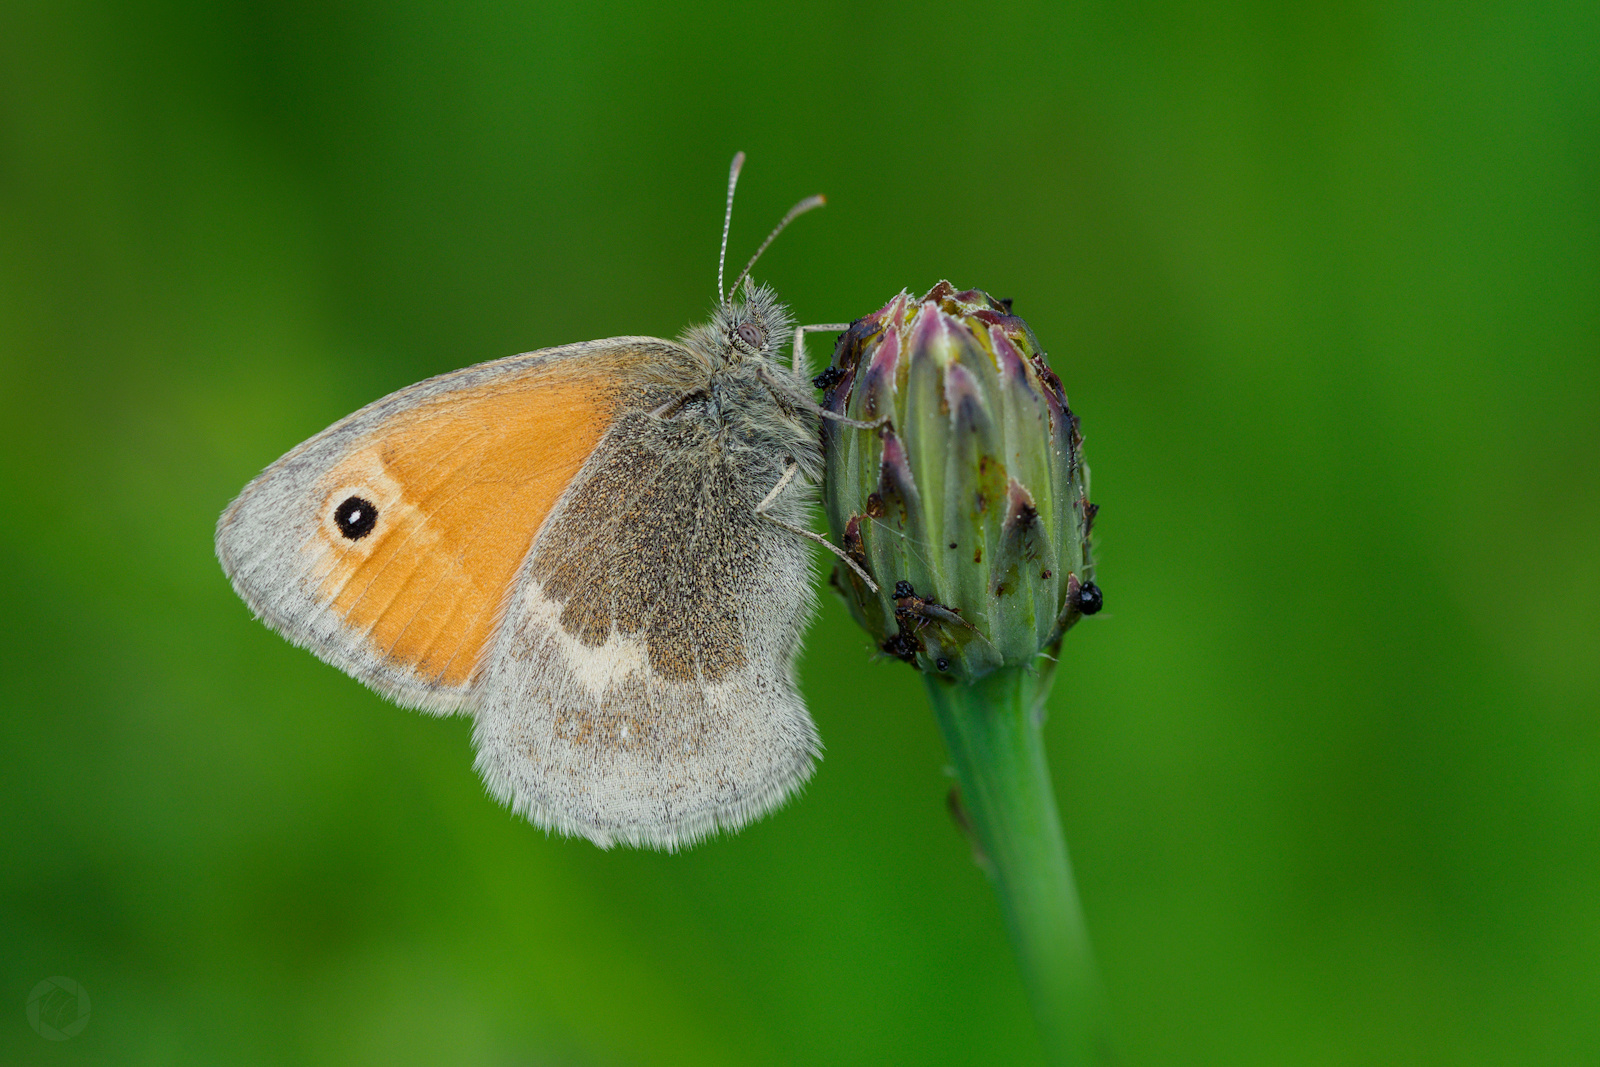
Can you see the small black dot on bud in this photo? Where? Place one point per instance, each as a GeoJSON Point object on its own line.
{"type": "Point", "coordinates": [1045, 575]}
{"type": "Point", "coordinates": [828, 378]}
{"type": "Point", "coordinates": [942, 663]}
{"type": "Point", "coordinates": [1089, 599]}
{"type": "Point", "coordinates": [355, 517]}
{"type": "Point", "coordinates": [903, 590]}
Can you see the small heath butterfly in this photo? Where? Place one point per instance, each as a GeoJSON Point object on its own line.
{"type": "Point", "coordinates": [598, 551]}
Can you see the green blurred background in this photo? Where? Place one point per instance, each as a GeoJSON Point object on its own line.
{"type": "Point", "coordinates": [1322, 280]}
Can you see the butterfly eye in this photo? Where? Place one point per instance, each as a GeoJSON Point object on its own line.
{"type": "Point", "coordinates": [355, 517]}
{"type": "Point", "coordinates": [751, 334]}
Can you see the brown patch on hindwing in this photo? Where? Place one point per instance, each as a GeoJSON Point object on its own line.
{"type": "Point", "coordinates": [459, 486]}
{"type": "Point", "coordinates": [657, 540]}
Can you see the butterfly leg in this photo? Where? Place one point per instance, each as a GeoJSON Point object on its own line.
{"type": "Point", "coordinates": [800, 342]}
{"type": "Point", "coordinates": [777, 490]}
{"type": "Point", "coordinates": [788, 393]}
{"type": "Point", "coordinates": [876, 424]}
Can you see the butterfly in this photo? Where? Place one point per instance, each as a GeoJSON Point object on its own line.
{"type": "Point", "coordinates": [598, 551]}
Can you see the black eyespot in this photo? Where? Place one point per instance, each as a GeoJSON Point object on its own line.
{"type": "Point", "coordinates": [1089, 599]}
{"type": "Point", "coordinates": [751, 334]}
{"type": "Point", "coordinates": [942, 663]}
{"type": "Point", "coordinates": [903, 590]}
{"type": "Point", "coordinates": [355, 517]}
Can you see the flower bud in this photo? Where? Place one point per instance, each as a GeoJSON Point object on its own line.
{"type": "Point", "coordinates": [969, 506]}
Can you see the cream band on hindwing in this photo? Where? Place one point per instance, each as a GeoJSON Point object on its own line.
{"type": "Point", "coordinates": [599, 668]}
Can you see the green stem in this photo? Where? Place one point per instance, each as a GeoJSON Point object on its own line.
{"type": "Point", "coordinates": [992, 730]}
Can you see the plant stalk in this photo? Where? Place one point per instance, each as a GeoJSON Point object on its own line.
{"type": "Point", "coordinates": [992, 729]}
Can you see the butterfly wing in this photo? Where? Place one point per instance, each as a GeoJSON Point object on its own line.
{"type": "Point", "coordinates": [525, 540]}
{"type": "Point", "coordinates": [388, 543]}
{"type": "Point", "coordinates": [642, 687]}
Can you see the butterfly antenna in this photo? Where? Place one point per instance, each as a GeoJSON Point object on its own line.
{"type": "Point", "coordinates": [795, 212]}
{"type": "Point", "coordinates": [727, 220]}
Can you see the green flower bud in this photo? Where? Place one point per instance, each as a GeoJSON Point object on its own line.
{"type": "Point", "coordinates": [969, 506]}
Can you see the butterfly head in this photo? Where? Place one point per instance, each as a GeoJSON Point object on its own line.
{"type": "Point", "coordinates": [750, 324]}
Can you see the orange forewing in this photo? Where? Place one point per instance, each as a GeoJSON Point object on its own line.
{"type": "Point", "coordinates": [461, 485]}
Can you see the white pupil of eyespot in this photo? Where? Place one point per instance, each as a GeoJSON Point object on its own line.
{"type": "Point", "coordinates": [355, 516]}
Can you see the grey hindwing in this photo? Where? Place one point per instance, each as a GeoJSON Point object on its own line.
{"type": "Point", "coordinates": [642, 686]}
